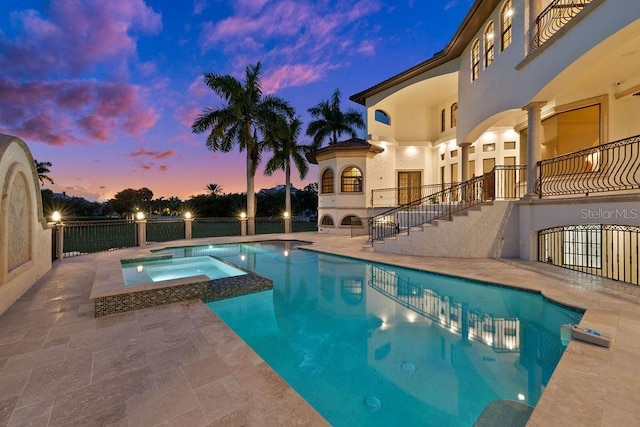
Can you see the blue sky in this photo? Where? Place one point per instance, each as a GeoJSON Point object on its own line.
{"type": "Point", "coordinates": [107, 90]}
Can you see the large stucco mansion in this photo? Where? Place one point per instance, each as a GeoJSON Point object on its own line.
{"type": "Point", "coordinates": [516, 140]}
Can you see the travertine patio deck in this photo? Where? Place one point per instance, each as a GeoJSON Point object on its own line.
{"type": "Point", "coordinates": [178, 364]}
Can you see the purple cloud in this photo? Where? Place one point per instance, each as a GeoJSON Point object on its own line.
{"type": "Point", "coordinates": [78, 112]}
{"type": "Point", "coordinates": [76, 37]}
{"type": "Point", "coordinates": [153, 154]}
{"type": "Point", "coordinates": [300, 34]}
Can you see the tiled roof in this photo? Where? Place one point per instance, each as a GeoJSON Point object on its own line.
{"type": "Point", "coordinates": [349, 144]}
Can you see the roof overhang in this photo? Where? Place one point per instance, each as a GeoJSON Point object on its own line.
{"type": "Point", "coordinates": [351, 148]}
{"type": "Point", "coordinates": [472, 23]}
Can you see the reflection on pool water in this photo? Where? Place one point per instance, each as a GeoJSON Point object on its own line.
{"type": "Point", "coordinates": [175, 268]}
{"type": "Point", "coordinates": [371, 344]}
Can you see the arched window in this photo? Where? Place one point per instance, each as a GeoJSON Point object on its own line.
{"type": "Point", "coordinates": [351, 220]}
{"type": "Point", "coordinates": [475, 59]}
{"type": "Point", "coordinates": [351, 180]}
{"type": "Point", "coordinates": [454, 113]}
{"type": "Point", "coordinates": [382, 117]}
{"type": "Point", "coordinates": [489, 51]}
{"type": "Point", "coordinates": [327, 181]}
{"type": "Point", "coordinates": [326, 220]}
{"type": "Point", "coordinates": [506, 16]}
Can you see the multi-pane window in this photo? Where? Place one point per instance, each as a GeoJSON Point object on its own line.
{"type": "Point", "coordinates": [351, 180]}
{"type": "Point", "coordinates": [454, 113]}
{"type": "Point", "coordinates": [583, 247]}
{"type": "Point", "coordinates": [489, 51]}
{"type": "Point", "coordinates": [506, 18]}
{"type": "Point", "coordinates": [475, 60]}
{"type": "Point", "coordinates": [327, 181]}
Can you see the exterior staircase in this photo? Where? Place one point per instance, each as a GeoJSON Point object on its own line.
{"type": "Point", "coordinates": [474, 219]}
{"type": "Point", "coordinates": [483, 231]}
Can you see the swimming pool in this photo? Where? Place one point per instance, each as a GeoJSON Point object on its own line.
{"type": "Point", "coordinates": [371, 344]}
{"type": "Point", "coordinates": [159, 270]}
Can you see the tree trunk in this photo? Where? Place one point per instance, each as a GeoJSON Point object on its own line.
{"type": "Point", "coordinates": [287, 199]}
{"type": "Point", "coordinates": [251, 197]}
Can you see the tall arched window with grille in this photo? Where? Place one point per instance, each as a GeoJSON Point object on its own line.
{"type": "Point", "coordinates": [506, 18]}
{"type": "Point", "coordinates": [489, 50]}
{"type": "Point", "coordinates": [327, 181]}
{"type": "Point", "coordinates": [475, 59]}
{"type": "Point", "coordinates": [351, 180]}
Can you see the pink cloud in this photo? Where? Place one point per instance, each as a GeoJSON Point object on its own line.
{"type": "Point", "coordinates": [366, 48]}
{"type": "Point", "coordinates": [76, 37]}
{"type": "Point", "coordinates": [73, 111]}
{"type": "Point", "coordinates": [296, 33]}
{"type": "Point", "coordinates": [291, 76]}
{"type": "Point", "coordinates": [95, 126]}
{"type": "Point", "coordinates": [153, 154]}
{"type": "Point", "coordinates": [186, 115]}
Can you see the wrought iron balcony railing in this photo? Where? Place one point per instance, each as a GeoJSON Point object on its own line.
{"type": "Point", "coordinates": [553, 18]}
{"type": "Point", "coordinates": [608, 167]}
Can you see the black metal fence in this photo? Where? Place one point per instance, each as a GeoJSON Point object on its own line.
{"type": "Point", "coordinates": [502, 183]}
{"type": "Point", "coordinates": [610, 251]}
{"type": "Point", "coordinates": [165, 230]}
{"type": "Point", "coordinates": [82, 237]}
{"type": "Point", "coordinates": [608, 167]}
{"type": "Point", "coordinates": [553, 18]}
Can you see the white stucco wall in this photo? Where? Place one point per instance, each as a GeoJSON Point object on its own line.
{"type": "Point", "coordinates": [490, 232]}
{"type": "Point", "coordinates": [543, 77]}
{"type": "Point", "coordinates": [25, 238]}
{"type": "Point", "coordinates": [542, 214]}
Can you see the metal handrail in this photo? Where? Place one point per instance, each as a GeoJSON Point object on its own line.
{"type": "Point", "coordinates": [553, 18]}
{"type": "Point", "coordinates": [502, 182]}
{"type": "Point", "coordinates": [608, 167]}
{"type": "Point", "coordinates": [390, 197]}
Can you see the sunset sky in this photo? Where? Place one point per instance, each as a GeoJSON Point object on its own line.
{"type": "Point", "coordinates": [107, 90]}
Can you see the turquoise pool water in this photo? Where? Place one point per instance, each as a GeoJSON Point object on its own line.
{"type": "Point", "coordinates": [175, 268]}
{"type": "Point", "coordinates": [371, 344]}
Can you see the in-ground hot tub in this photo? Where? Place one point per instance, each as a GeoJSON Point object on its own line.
{"type": "Point", "coordinates": [159, 270]}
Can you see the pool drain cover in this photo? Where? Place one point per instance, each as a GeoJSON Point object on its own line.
{"type": "Point", "coordinates": [408, 367]}
{"type": "Point", "coordinates": [372, 403]}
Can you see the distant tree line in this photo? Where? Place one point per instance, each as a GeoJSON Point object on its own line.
{"type": "Point", "coordinates": [126, 202]}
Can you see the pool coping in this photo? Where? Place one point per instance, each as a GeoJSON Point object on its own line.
{"type": "Point", "coordinates": [111, 296]}
{"type": "Point", "coordinates": [591, 386]}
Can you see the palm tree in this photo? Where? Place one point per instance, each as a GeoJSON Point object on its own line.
{"type": "Point", "coordinates": [214, 189]}
{"type": "Point", "coordinates": [283, 139]}
{"type": "Point", "coordinates": [42, 168]}
{"type": "Point", "coordinates": [330, 121]}
{"type": "Point", "coordinates": [242, 121]}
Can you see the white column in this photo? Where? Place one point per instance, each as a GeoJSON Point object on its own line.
{"type": "Point", "coordinates": [141, 226]}
{"type": "Point", "coordinates": [464, 158]}
{"type": "Point", "coordinates": [534, 142]}
{"type": "Point", "coordinates": [188, 222]}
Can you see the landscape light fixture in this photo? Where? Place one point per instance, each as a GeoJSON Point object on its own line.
{"type": "Point", "coordinates": [243, 215]}
{"type": "Point", "coordinates": [56, 217]}
{"type": "Point", "coordinates": [187, 215]}
{"type": "Point", "coordinates": [139, 215]}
